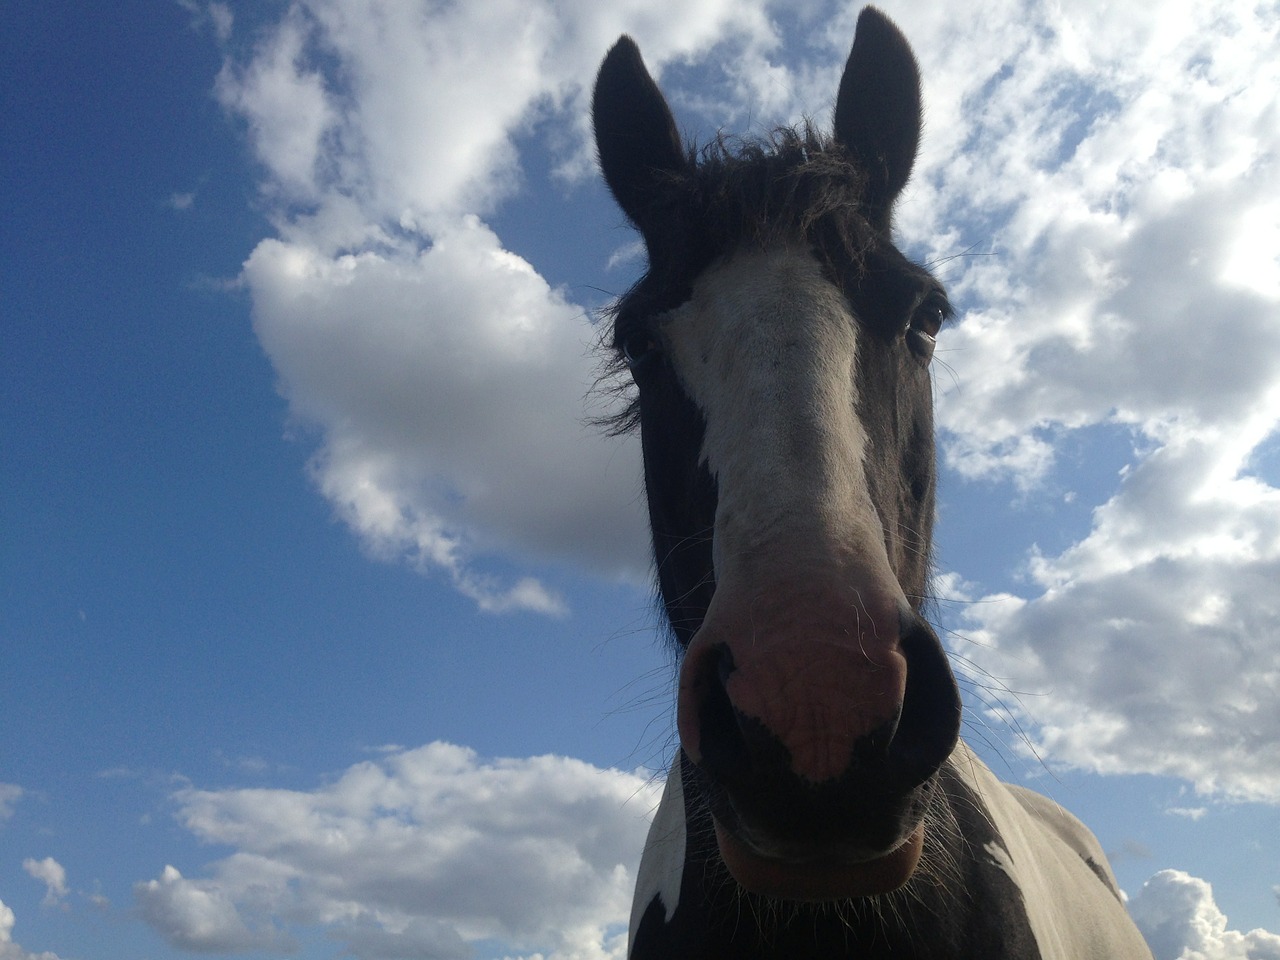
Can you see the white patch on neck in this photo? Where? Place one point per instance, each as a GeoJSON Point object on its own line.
{"type": "Point", "coordinates": [662, 863]}
{"type": "Point", "coordinates": [1000, 858]}
{"type": "Point", "coordinates": [1072, 913]}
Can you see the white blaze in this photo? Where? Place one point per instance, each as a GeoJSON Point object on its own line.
{"type": "Point", "coordinates": [766, 347]}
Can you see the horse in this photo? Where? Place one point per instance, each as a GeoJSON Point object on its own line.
{"type": "Point", "coordinates": [821, 802]}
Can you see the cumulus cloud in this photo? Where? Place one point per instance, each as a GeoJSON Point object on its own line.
{"type": "Point", "coordinates": [453, 386]}
{"type": "Point", "coordinates": [421, 853]}
{"type": "Point", "coordinates": [51, 873]}
{"type": "Point", "coordinates": [13, 951]}
{"type": "Point", "coordinates": [1124, 181]}
{"type": "Point", "coordinates": [197, 915]}
{"type": "Point", "coordinates": [1177, 914]}
{"type": "Point", "coordinates": [1179, 571]}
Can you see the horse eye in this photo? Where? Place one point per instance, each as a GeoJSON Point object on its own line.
{"type": "Point", "coordinates": [638, 348]}
{"type": "Point", "coordinates": [922, 331]}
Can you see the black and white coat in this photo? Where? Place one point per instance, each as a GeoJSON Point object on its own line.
{"type": "Point", "coordinates": [821, 803]}
{"type": "Point", "coordinates": [1006, 875]}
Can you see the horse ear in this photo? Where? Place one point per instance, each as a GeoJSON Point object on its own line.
{"type": "Point", "coordinates": [636, 135]}
{"type": "Point", "coordinates": [878, 110]}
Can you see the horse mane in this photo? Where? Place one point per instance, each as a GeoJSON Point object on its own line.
{"type": "Point", "coordinates": [794, 185]}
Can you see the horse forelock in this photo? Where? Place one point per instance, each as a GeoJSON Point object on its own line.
{"type": "Point", "coordinates": [757, 191]}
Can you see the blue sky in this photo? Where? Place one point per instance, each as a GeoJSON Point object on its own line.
{"type": "Point", "coordinates": [324, 617]}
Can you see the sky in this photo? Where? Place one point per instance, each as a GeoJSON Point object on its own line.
{"type": "Point", "coordinates": [325, 618]}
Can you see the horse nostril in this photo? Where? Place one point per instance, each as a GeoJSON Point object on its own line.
{"type": "Point", "coordinates": [724, 750]}
{"type": "Point", "coordinates": [929, 725]}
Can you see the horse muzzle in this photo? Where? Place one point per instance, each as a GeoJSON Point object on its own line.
{"type": "Point", "coordinates": [815, 738]}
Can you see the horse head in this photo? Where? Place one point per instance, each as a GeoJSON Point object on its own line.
{"type": "Point", "coordinates": [780, 346]}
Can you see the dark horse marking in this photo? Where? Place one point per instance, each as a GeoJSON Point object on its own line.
{"type": "Point", "coordinates": [822, 803]}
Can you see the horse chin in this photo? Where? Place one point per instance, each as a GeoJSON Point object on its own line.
{"type": "Point", "coordinates": [820, 878]}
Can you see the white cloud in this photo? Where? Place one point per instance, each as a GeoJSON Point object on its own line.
{"type": "Point", "coordinates": [287, 107]}
{"type": "Point", "coordinates": [451, 384]}
{"type": "Point", "coordinates": [419, 853]}
{"type": "Point", "coordinates": [1116, 169]}
{"type": "Point", "coordinates": [51, 873]}
{"type": "Point", "coordinates": [10, 950]}
{"type": "Point", "coordinates": [197, 915]}
{"type": "Point", "coordinates": [217, 16]}
{"type": "Point", "coordinates": [10, 794]}
{"type": "Point", "coordinates": [1151, 648]}
{"type": "Point", "coordinates": [1122, 166]}
{"type": "Point", "coordinates": [1177, 914]}
{"type": "Point", "coordinates": [222, 19]}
